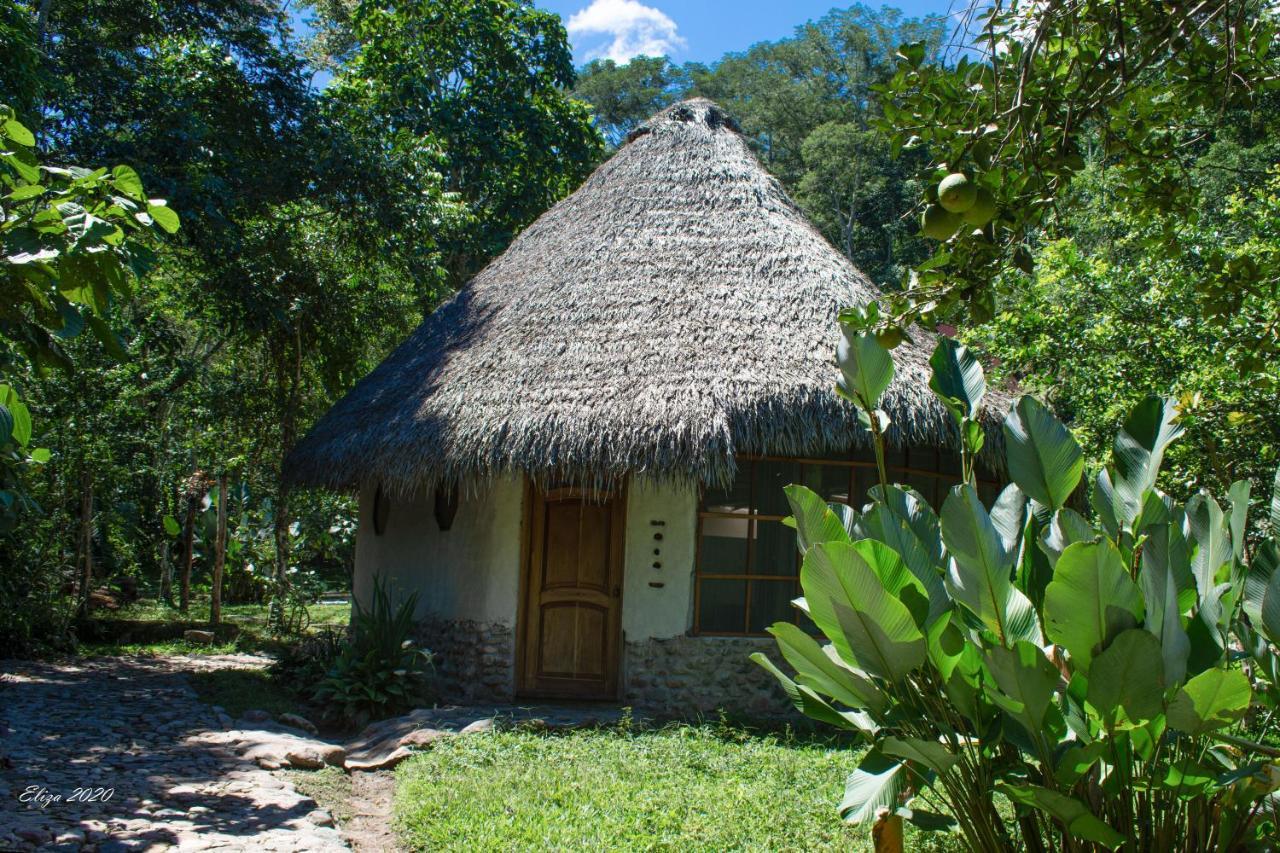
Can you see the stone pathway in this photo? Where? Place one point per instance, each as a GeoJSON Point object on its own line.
{"type": "Point", "coordinates": [133, 727]}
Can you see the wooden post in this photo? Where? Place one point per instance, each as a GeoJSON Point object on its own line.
{"type": "Point", "coordinates": [886, 833]}
{"type": "Point", "coordinates": [86, 538]}
{"type": "Point", "coordinates": [220, 552]}
{"type": "Point", "coordinates": [188, 552]}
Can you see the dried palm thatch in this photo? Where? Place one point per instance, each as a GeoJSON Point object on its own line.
{"type": "Point", "coordinates": [676, 310]}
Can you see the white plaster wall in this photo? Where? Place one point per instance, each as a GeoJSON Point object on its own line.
{"type": "Point", "coordinates": [470, 571]}
{"type": "Point", "coordinates": [666, 611]}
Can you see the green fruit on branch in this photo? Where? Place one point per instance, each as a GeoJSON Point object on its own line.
{"type": "Point", "coordinates": [957, 193]}
{"type": "Point", "coordinates": [983, 209]}
{"type": "Point", "coordinates": [938, 223]}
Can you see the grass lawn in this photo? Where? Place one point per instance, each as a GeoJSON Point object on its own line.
{"type": "Point", "coordinates": [678, 788]}
{"type": "Point", "coordinates": [251, 619]}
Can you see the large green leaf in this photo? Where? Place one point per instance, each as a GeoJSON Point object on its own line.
{"type": "Point", "coordinates": [1212, 536]}
{"type": "Point", "coordinates": [1163, 557]}
{"type": "Point", "coordinates": [815, 521]}
{"type": "Point", "coordinates": [957, 378]}
{"type": "Point", "coordinates": [1044, 459]}
{"type": "Point", "coordinates": [1275, 505]}
{"type": "Point", "coordinates": [866, 368]}
{"type": "Point", "coordinates": [1213, 699]}
{"type": "Point", "coordinates": [1026, 680]}
{"type": "Point", "coordinates": [826, 673]}
{"type": "Point", "coordinates": [814, 706]}
{"type": "Point", "coordinates": [878, 783]}
{"type": "Point", "coordinates": [1239, 495]}
{"type": "Point", "coordinates": [911, 507]}
{"type": "Point", "coordinates": [1129, 674]}
{"type": "Point", "coordinates": [1139, 450]}
{"type": "Point", "coordinates": [1270, 613]}
{"type": "Point", "coordinates": [1008, 516]}
{"type": "Point", "coordinates": [6, 425]}
{"type": "Point", "coordinates": [1073, 814]}
{"type": "Point", "coordinates": [884, 526]}
{"type": "Point", "coordinates": [980, 569]}
{"type": "Point", "coordinates": [898, 580]}
{"type": "Point", "coordinates": [930, 754]}
{"type": "Point", "coordinates": [1066, 527]}
{"type": "Point", "coordinates": [1090, 600]}
{"type": "Point", "coordinates": [869, 627]}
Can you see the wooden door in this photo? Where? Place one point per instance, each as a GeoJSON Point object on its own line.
{"type": "Point", "coordinates": [572, 595]}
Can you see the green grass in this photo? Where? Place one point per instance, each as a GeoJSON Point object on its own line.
{"type": "Point", "coordinates": [238, 690]}
{"type": "Point", "coordinates": [330, 787]}
{"type": "Point", "coordinates": [678, 788]}
{"type": "Point", "coordinates": [252, 619]}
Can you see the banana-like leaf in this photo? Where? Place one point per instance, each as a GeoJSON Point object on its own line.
{"type": "Point", "coordinates": [1271, 609]}
{"type": "Point", "coordinates": [866, 368]}
{"type": "Point", "coordinates": [1156, 509]}
{"type": "Point", "coordinates": [869, 627]}
{"type": "Point", "coordinates": [1034, 570]}
{"type": "Point", "coordinates": [1139, 450]}
{"type": "Point", "coordinates": [957, 378]}
{"type": "Point", "coordinates": [911, 507]}
{"type": "Point", "coordinates": [979, 573]}
{"type": "Point", "coordinates": [815, 520]}
{"type": "Point", "coordinates": [1009, 515]}
{"type": "Point", "coordinates": [1163, 557]}
{"type": "Point", "coordinates": [1044, 459]}
{"type": "Point", "coordinates": [884, 526]}
{"type": "Point", "coordinates": [1275, 505]}
{"type": "Point", "coordinates": [825, 673]}
{"type": "Point", "coordinates": [1239, 496]}
{"type": "Point", "coordinates": [1065, 527]}
{"type": "Point", "coordinates": [1212, 538]}
{"type": "Point", "coordinates": [878, 783]}
{"type": "Point", "coordinates": [1090, 601]}
{"type": "Point", "coordinates": [898, 579]}
{"type": "Point", "coordinates": [814, 706]}
{"type": "Point", "coordinates": [1213, 699]}
{"type": "Point", "coordinates": [1265, 562]}
{"type": "Point", "coordinates": [1106, 503]}
{"type": "Point", "coordinates": [930, 754]}
{"type": "Point", "coordinates": [1026, 682]}
{"type": "Point", "coordinates": [1070, 812]}
{"type": "Point", "coordinates": [1129, 674]}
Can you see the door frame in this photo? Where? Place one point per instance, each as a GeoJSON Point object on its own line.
{"type": "Point", "coordinates": [533, 498]}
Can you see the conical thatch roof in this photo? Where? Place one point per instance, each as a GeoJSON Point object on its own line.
{"type": "Point", "coordinates": [675, 310]}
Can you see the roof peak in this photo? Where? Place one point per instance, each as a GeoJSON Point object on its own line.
{"type": "Point", "coordinates": [692, 111]}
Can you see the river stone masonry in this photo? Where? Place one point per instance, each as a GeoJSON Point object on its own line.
{"type": "Point", "coordinates": [474, 661]}
{"type": "Point", "coordinates": [680, 676]}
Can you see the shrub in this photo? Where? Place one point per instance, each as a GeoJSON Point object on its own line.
{"type": "Point", "coordinates": [379, 671]}
{"type": "Point", "coordinates": [1097, 672]}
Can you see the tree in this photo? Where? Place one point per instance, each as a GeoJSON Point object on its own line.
{"type": "Point", "coordinates": [1140, 88]}
{"type": "Point", "coordinates": [485, 83]}
{"type": "Point", "coordinates": [622, 96]}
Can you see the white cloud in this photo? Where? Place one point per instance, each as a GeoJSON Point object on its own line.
{"type": "Point", "coordinates": [629, 28]}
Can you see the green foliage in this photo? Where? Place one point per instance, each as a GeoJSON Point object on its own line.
{"type": "Point", "coordinates": [379, 671]}
{"type": "Point", "coordinates": [1098, 693]}
{"type": "Point", "coordinates": [1139, 87]}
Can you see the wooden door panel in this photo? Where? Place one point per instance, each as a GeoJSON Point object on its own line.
{"type": "Point", "coordinates": [572, 595]}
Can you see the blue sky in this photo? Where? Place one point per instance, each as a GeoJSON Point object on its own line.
{"type": "Point", "coordinates": [688, 30]}
{"type": "Point", "coordinates": [695, 30]}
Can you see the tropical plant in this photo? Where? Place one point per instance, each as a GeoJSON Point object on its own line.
{"type": "Point", "coordinates": [380, 670]}
{"type": "Point", "coordinates": [1096, 673]}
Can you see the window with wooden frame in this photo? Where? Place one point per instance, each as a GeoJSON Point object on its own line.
{"type": "Point", "coordinates": [748, 566]}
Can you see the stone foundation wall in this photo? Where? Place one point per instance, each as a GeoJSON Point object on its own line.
{"type": "Point", "coordinates": [474, 662]}
{"type": "Point", "coordinates": [680, 676]}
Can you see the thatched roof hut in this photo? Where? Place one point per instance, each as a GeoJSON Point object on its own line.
{"type": "Point", "coordinates": [674, 311]}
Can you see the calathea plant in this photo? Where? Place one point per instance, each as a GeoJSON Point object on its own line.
{"type": "Point", "coordinates": [1030, 677]}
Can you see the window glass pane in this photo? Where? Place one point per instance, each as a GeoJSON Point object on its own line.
{"type": "Point", "coordinates": [724, 546]}
{"type": "Point", "coordinates": [736, 498]}
{"type": "Point", "coordinates": [776, 552]}
{"type": "Point", "coordinates": [721, 606]}
{"type": "Point", "coordinates": [771, 602]}
{"type": "Point", "coordinates": [771, 477]}
{"type": "Point", "coordinates": [830, 481]}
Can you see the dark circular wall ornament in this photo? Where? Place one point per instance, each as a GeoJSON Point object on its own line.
{"type": "Point", "coordinates": [381, 511]}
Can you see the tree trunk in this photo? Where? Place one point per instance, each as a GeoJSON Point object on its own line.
{"type": "Point", "coordinates": [166, 554]}
{"type": "Point", "coordinates": [86, 538]}
{"type": "Point", "coordinates": [188, 553]}
{"type": "Point", "coordinates": [220, 552]}
{"type": "Point", "coordinates": [289, 383]}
